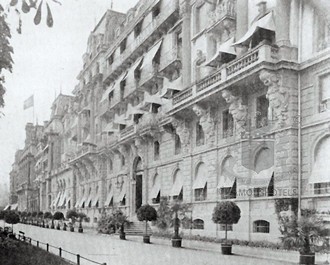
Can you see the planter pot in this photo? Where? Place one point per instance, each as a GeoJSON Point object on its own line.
{"type": "Point", "coordinates": [176, 242]}
{"type": "Point", "coordinates": [146, 239]}
{"type": "Point", "coordinates": [64, 228]}
{"type": "Point", "coordinates": [307, 258]}
{"type": "Point", "coordinates": [71, 229]}
{"type": "Point", "coordinates": [58, 228]}
{"type": "Point", "coordinates": [52, 227]}
{"type": "Point", "coordinates": [80, 230]}
{"type": "Point", "coordinates": [122, 236]}
{"type": "Point", "coordinates": [226, 249]}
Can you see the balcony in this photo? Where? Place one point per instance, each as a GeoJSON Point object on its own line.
{"type": "Point", "coordinates": [146, 34]}
{"type": "Point", "coordinates": [84, 150]}
{"type": "Point", "coordinates": [169, 59]}
{"type": "Point", "coordinates": [223, 13]}
{"type": "Point", "coordinates": [251, 61]}
{"type": "Point", "coordinates": [149, 121]}
{"type": "Point", "coordinates": [127, 132]}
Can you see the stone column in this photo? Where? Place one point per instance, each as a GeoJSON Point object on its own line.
{"type": "Point", "coordinates": [282, 21]}
{"type": "Point", "coordinates": [185, 11]}
{"type": "Point", "coordinates": [242, 21]}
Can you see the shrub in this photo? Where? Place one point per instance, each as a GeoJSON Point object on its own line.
{"type": "Point", "coordinates": [72, 214]}
{"type": "Point", "coordinates": [48, 215]}
{"type": "Point", "coordinates": [58, 216]}
{"type": "Point", "coordinates": [11, 218]}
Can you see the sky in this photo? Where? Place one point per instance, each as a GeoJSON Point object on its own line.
{"type": "Point", "coordinates": [46, 62]}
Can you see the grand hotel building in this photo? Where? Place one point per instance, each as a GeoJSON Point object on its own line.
{"type": "Point", "coordinates": [200, 101]}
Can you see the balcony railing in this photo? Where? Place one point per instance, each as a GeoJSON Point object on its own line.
{"type": "Point", "coordinates": [127, 132]}
{"type": "Point", "coordinates": [262, 53]}
{"type": "Point", "coordinates": [226, 9]}
{"type": "Point", "coordinates": [146, 32]}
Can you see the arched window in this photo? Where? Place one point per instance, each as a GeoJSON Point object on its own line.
{"type": "Point", "coordinates": [200, 183]}
{"type": "Point", "coordinates": [200, 138]}
{"type": "Point", "coordinates": [319, 178]}
{"type": "Point", "coordinates": [156, 150]}
{"type": "Point", "coordinates": [155, 191]}
{"type": "Point", "coordinates": [227, 179]}
{"type": "Point", "coordinates": [123, 161]}
{"type": "Point", "coordinates": [261, 226]}
{"type": "Point", "coordinates": [198, 224]}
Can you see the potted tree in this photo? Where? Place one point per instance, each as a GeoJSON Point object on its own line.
{"type": "Point", "coordinates": [307, 233]}
{"type": "Point", "coordinates": [58, 216]}
{"type": "Point", "coordinates": [48, 216]}
{"type": "Point", "coordinates": [73, 215]}
{"type": "Point", "coordinates": [11, 218]}
{"type": "Point", "coordinates": [146, 213]}
{"type": "Point", "coordinates": [226, 212]}
{"type": "Point", "coordinates": [34, 217]}
{"type": "Point", "coordinates": [120, 219]}
{"type": "Point", "coordinates": [41, 219]}
{"type": "Point", "coordinates": [81, 216]}
{"type": "Point", "coordinates": [23, 217]}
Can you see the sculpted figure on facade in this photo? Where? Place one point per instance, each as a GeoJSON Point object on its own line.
{"type": "Point", "coordinates": [277, 95]}
{"type": "Point", "coordinates": [206, 121]}
{"type": "Point", "coordinates": [236, 109]}
{"type": "Point", "coordinates": [182, 129]}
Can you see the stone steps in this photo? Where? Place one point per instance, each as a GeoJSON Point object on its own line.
{"type": "Point", "coordinates": [137, 228]}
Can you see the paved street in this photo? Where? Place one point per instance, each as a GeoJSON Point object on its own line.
{"type": "Point", "coordinates": [109, 249]}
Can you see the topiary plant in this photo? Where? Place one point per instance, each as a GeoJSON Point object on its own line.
{"type": "Point", "coordinates": [58, 216]}
{"type": "Point", "coordinates": [146, 213]}
{"type": "Point", "coordinates": [226, 213]}
{"type": "Point", "coordinates": [11, 218]}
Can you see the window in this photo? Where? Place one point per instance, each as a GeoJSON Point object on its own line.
{"type": "Point", "coordinates": [156, 11]}
{"type": "Point", "coordinates": [157, 199]}
{"type": "Point", "coordinates": [122, 161]}
{"type": "Point", "coordinates": [262, 35]}
{"type": "Point", "coordinates": [228, 124]}
{"type": "Point", "coordinates": [155, 108]}
{"type": "Point", "coordinates": [198, 224]}
{"type": "Point", "coordinates": [229, 192]}
{"type": "Point", "coordinates": [110, 59]}
{"type": "Point", "coordinates": [223, 227]}
{"type": "Point", "coordinates": [95, 219]}
{"type": "Point", "coordinates": [200, 138]}
{"type": "Point", "coordinates": [123, 46]}
{"type": "Point", "coordinates": [122, 89]}
{"type": "Point", "coordinates": [179, 197]}
{"type": "Point", "coordinates": [261, 226]}
{"type": "Point", "coordinates": [123, 201]}
{"type": "Point", "coordinates": [179, 42]}
{"type": "Point", "coordinates": [201, 17]}
{"type": "Point", "coordinates": [177, 147]}
{"type": "Point", "coordinates": [262, 111]}
{"type": "Point", "coordinates": [201, 194]}
{"type": "Point", "coordinates": [138, 29]}
{"type": "Point", "coordinates": [325, 92]}
{"type": "Point", "coordinates": [156, 150]}
{"type": "Point", "coordinates": [110, 165]}
{"type": "Point", "coordinates": [270, 190]}
{"type": "Point", "coordinates": [322, 188]}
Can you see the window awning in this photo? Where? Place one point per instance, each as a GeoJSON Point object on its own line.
{"type": "Point", "coordinates": [321, 171]}
{"type": "Point", "coordinates": [171, 86]}
{"type": "Point", "coordinates": [150, 55]}
{"type": "Point", "coordinates": [262, 178]}
{"type": "Point", "coordinates": [120, 119]}
{"type": "Point", "coordinates": [122, 192]}
{"type": "Point", "coordinates": [83, 199]}
{"type": "Point", "coordinates": [177, 186]}
{"type": "Point", "coordinates": [89, 200]}
{"type": "Point", "coordinates": [14, 207]}
{"type": "Point", "coordinates": [149, 100]}
{"type": "Point", "coordinates": [155, 190]}
{"type": "Point", "coordinates": [266, 22]}
{"type": "Point", "coordinates": [200, 182]}
{"type": "Point", "coordinates": [77, 203]}
{"type": "Point", "coordinates": [224, 48]}
{"type": "Point", "coordinates": [67, 202]}
{"type": "Point", "coordinates": [226, 182]}
{"type": "Point", "coordinates": [105, 95]}
{"type": "Point", "coordinates": [135, 66]}
{"type": "Point", "coordinates": [57, 198]}
{"type": "Point", "coordinates": [110, 128]}
{"type": "Point", "coordinates": [109, 197]}
{"type": "Point", "coordinates": [7, 208]}
{"type": "Point", "coordinates": [133, 111]}
{"type": "Point", "coordinates": [95, 200]}
{"type": "Point", "coordinates": [62, 199]}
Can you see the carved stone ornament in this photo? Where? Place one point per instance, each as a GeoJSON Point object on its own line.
{"type": "Point", "coordinates": [182, 129]}
{"type": "Point", "coordinates": [237, 110]}
{"type": "Point", "coordinates": [137, 147]}
{"type": "Point", "coordinates": [200, 57]}
{"type": "Point", "coordinates": [277, 95]}
{"type": "Point", "coordinates": [207, 122]}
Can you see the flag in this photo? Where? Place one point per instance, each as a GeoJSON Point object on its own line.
{"type": "Point", "coordinates": [28, 103]}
